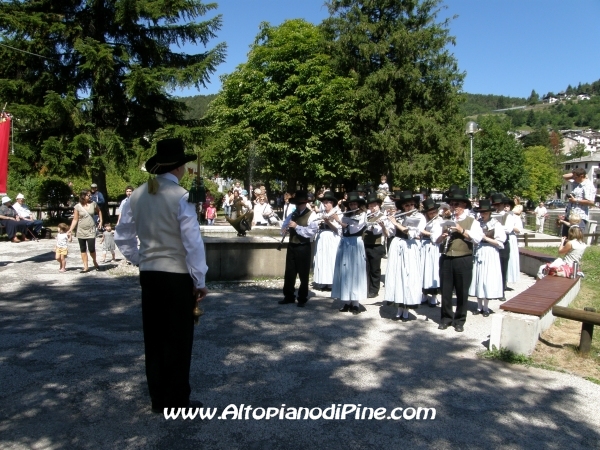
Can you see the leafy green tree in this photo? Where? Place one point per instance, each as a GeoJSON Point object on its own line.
{"type": "Point", "coordinates": [284, 114]}
{"type": "Point", "coordinates": [578, 151]}
{"type": "Point", "coordinates": [408, 102]}
{"type": "Point", "coordinates": [533, 97]}
{"type": "Point", "coordinates": [498, 158]}
{"type": "Point", "coordinates": [537, 137]}
{"type": "Point", "coordinates": [89, 80]}
{"type": "Point", "coordinates": [542, 173]}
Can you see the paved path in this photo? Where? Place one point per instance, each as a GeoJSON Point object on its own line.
{"type": "Point", "coordinates": [72, 371]}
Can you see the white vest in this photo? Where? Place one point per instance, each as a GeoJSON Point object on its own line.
{"type": "Point", "coordinates": [161, 248]}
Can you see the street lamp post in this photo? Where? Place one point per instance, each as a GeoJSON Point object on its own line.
{"type": "Point", "coordinates": [471, 130]}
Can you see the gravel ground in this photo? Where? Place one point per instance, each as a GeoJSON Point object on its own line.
{"type": "Point", "coordinates": [72, 370]}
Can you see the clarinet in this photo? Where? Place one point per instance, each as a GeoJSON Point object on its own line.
{"type": "Point", "coordinates": [294, 218]}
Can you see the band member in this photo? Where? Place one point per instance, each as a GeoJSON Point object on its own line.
{"type": "Point", "coordinates": [378, 227]}
{"type": "Point", "coordinates": [328, 240]}
{"type": "Point", "coordinates": [497, 200]}
{"type": "Point", "coordinates": [349, 276]}
{"type": "Point", "coordinates": [404, 274]}
{"type": "Point", "coordinates": [486, 283]}
{"type": "Point", "coordinates": [302, 226]}
{"type": "Point", "coordinates": [430, 254]}
{"type": "Point", "coordinates": [456, 264]}
{"type": "Point", "coordinates": [172, 272]}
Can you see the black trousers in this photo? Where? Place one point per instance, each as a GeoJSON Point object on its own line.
{"type": "Point", "coordinates": [297, 262]}
{"type": "Point", "coordinates": [504, 257]}
{"type": "Point", "coordinates": [374, 254]}
{"type": "Point", "coordinates": [455, 274]}
{"type": "Point", "coordinates": [13, 227]}
{"type": "Point", "coordinates": [167, 313]}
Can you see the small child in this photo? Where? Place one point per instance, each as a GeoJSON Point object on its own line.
{"type": "Point", "coordinates": [108, 242]}
{"type": "Point", "coordinates": [211, 213]}
{"type": "Point", "coordinates": [383, 186]}
{"type": "Point", "coordinates": [62, 246]}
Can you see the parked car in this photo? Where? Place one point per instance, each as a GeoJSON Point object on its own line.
{"type": "Point", "coordinates": [556, 204]}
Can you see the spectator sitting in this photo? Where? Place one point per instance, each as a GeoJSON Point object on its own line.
{"type": "Point", "coordinates": [25, 213]}
{"type": "Point", "coordinates": [12, 221]}
{"type": "Point", "coordinates": [571, 251]}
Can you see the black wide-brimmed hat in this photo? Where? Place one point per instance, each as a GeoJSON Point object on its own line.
{"type": "Point", "coordinates": [328, 195]}
{"type": "Point", "coordinates": [452, 188]}
{"type": "Point", "coordinates": [372, 198]}
{"type": "Point", "coordinates": [458, 195]}
{"type": "Point", "coordinates": [496, 197]}
{"type": "Point", "coordinates": [401, 197]}
{"type": "Point", "coordinates": [354, 197]}
{"type": "Point", "coordinates": [430, 204]}
{"type": "Point", "coordinates": [170, 154]}
{"type": "Point", "coordinates": [299, 197]}
{"type": "Point", "coordinates": [485, 205]}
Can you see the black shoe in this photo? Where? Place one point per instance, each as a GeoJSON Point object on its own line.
{"type": "Point", "coordinates": [301, 304]}
{"type": "Point", "coordinates": [509, 289]}
{"type": "Point", "coordinates": [476, 312]}
{"type": "Point", "coordinates": [405, 319]}
{"type": "Point", "coordinates": [345, 308]}
{"type": "Point", "coordinates": [459, 328]}
{"type": "Point", "coordinates": [485, 313]}
{"type": "Point", "coordinates": [326, 288]}
{"type": "Point", "coordinates": [443, 326]}
{"type": "Point", "coordinates": [355, 310]}
{"type": "Point", "coordinates": [433, 305]}
{"type": "Point", "coordinates": [372, 295]}
{"type": "Point", "coordinates": [287, 300]}
{"type": "Point", "coordinates": [503, 299]}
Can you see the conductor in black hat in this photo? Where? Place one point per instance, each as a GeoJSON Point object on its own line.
{"type": "Point", "coordinates": [172, 272]}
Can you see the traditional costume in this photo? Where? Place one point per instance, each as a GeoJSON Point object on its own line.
{"type": "Point", "coordinates": [486, 283]}
{"type": "Point", "coordinates": [298, 257]}
{"type": "Point", "coordinates": [404, 274]}
{"type": "Point", "coordinates": [430, 255]}
{"type": "Point", "coordinates": [328, 239]}
{"type": "Point", "coordinates": [350, 273]}
{"type": "Point", "coordinates": [378, 227]}
{"type": "Point", "coordinates": [456, 262]}
{"type": "Point", "coordinates": [172, 271]}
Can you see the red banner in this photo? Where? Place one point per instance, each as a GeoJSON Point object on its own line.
{"type": "Point", "coordinates": [4, 140]}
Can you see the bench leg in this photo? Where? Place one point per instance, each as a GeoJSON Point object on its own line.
{"type": "Point", "coordinates": [585, 342]}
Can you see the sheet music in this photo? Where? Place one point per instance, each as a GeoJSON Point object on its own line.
{"type": "Point", "coordinates": [412, 222]}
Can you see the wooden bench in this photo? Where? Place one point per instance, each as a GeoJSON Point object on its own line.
{"type": "Point", "coordinates": [541, 297]}
{"type": "Point", "coordinates": [528, 314]}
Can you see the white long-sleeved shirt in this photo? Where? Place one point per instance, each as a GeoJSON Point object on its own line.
{"type": "Point", "coordinates": [308, 231]}
{"type": "Point", "coordinates": [475, 233]}
{"type": "Point", "coordinates": [195, 258]}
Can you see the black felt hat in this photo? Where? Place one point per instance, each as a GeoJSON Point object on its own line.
{"type": "Point", "coordinates": [354, 197]}
{"type": "Point", "coordinates": [485, 205]}
{"type": "Point", "coordinates": [496, 197]}
{"type": "Point", "coordinates": [328, 195]}
{"type": "Point", "coordinates": [458, 195]}
{"type": "Point", "coordinates": [400, 198]}
{"type": "Point", "coordinates": [430, 204]}
{"type": "Point", "coordinates": [372, 198]}
{"type": "Point", "coordinates": [299, 197]}
{"type": "Point", "coordinates": [170, 154]}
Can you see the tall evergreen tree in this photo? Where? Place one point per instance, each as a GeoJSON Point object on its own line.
{"type": "Point", "coordinates": [89, 80]}
{"type": "Point", "coordinates": [408, 119]}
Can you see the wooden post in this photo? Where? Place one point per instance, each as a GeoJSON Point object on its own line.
{"type": "Point", "coordinates": [585, 341]}
{"type": "Point", "coordinates": [526, 237]}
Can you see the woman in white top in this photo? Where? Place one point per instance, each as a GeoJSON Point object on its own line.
{"type": "Point", "coordinates": [350, 273]}
{"type": "Point", "coordinates": [486, 282]}
{"type": "Point", "coordinates": [259, 211]}
{"type": "Point", "coordinates": [430, 254]}
{"type": "Point", "coordinates": [404, 273]}
{"type": "Point", "coordinates": [515, 228]}
{"type": "Point", "coordinates": [328, 240]}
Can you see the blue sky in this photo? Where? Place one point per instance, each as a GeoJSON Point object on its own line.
{"type": "Point", "coordinates": [506, 47]}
